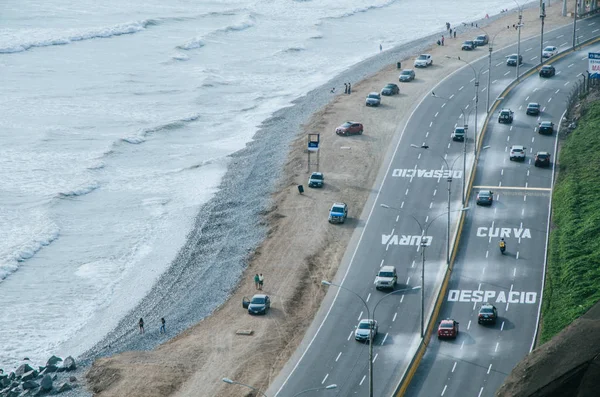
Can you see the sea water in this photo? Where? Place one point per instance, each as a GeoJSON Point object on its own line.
{"type": "Point", "coordinates": [117, 122]}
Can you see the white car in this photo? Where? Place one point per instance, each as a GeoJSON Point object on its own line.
{"type": "Point", "coordinates": [386, 278]}
{"type": "Point", "coordinates": [549, 51]}
{"type": "Point", "coordinates": [365, 329]}
{"type": "Point", "coordinates": [517, 152]}
{"type": "Point", "coordinates": [423, 61]}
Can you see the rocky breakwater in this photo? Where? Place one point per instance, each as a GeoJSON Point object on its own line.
{"type": "Point", "coordinates": [51, 379]}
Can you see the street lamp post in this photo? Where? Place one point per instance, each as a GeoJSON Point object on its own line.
{"type": "Point", "coordinates": [490, 49]}
{"type": "Point", "coordinates": [423, 244]}
{"type": "Point", "coordinates": [575, 24]}
{"type": "Point", "coordinates": [519, 38]}
{"type": "Point", "coordinates": [329, 387]}
{"type": "Point", "coordinates": [542, 17]}
{"type": "Point", "coordinates": [329, 284]}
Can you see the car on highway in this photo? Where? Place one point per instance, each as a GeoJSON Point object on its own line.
{"type": "Point", "coordinates": [546, 127]}
{"type": "Point", "coordinates": [386, 278]}
{"type": "Point", "coordinates": [349, 128]}
{"type": "Point", "coordinates": [505, 116]}
{"type": "Point", "coordinates": [316, 179]}
{"type": "Point", "coordinates": [485, 197]}
{"type": "Point", "coordinates": [366, 328]}
{"type": "Point", "coordinates": [448, 328]}
{"type": "Point", "coordinates": [373, 99]}
{"type": "Point", "coordinates": [480, 40]}
{"type": "Point", "coordinates": [390, 89]}
{"type": "Point", "coordinates": [511, 60]}
{"type": "Point", "coordinates": [259, 304]}
{"type": "Point", "coordinates": [407, 75]}
{"type": "Point", "coordinates": [549, 51]}
{"type": "Point", "coordinates": [458, 134]}
{"type": "Point", "coordinates": [517, 152]}
{"type": "Point", "coordinates": [533, 109]}
{"type": "Point", "coordinates": [338, 213]}
{"type": "Point", "coordinates": [468, 45]}
{"type": "Point", "coordinates": [487, 314]}
{"type": "Point", "coordinates": [547, 71]}
{"type": "Point", "coordinates": [423, 61]}
{"type": "Point", "coordinates": [542, 159]}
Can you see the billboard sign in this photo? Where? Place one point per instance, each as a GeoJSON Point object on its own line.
{"type": "Point", "coordinates": [594, 65]}
{"type": "Point", "coordinates": [313, 142]}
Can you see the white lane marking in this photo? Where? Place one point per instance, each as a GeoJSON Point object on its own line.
{"type": "Point", "coordinates": [494, 81]}
{"type": "Point", "coordinates": [444, 391]}
{"type": "Point", "coordinates": [566, 83]}
{"type": "Point", "coordinates": [480, 391]}
{"type": "Point", "coordinates": [497, 344]}
{"type": "Point", "coordinates": [338, 357]}
{"type": "Point", "coordinates": [469, 325]}
{"type": "Point", "coordinates": [557, 73]}
{"type": "Point", "coordinates": [558, 37]}
{"type": "Point", "coordinates": [563, 44]}
{"type": "Point", "coordinates": [474, 305]}
{"type": "Point", "coordinates": [523, 212]}
{"type": "Point", "coordinates": [362, 380]}
{"type": "Point", "coordinates": [483, 89]}
{"type": "Point", "coordinates": [591, 24]}
{"type": "Point", "coordinates": [454, 366]}
{"type": "Point", "coordinates": [584, 58]}
{"type": "Point", "coordinates": [325, 378]}
{"type": "Point", "coordinates": [451, 96]}
{"type": "Point", "coordinates": [549, 99]}
{"type": "Point", "coordinates": [507, 73]}
{"type": "Point", "coordinates": [487, 253]}
{"type": "Point", "coordinates": [526, 99]}
{"type": "Point", "coordinates": [406, 193]}
{"type": "Point", "coordinates": [489, 369]}
{"type": "Point", "coordinates": [402, 298]}
{"type": "Point", "coordinates": [529, 49]}
{"type": "Point", "coordinates": [556, 92]}
{"type": "Point", "coordinates": [426, 136]}
{"type": "Point", "coordinates": [375, 358]}
{"type": "Point", "coordinates": [527, 172]}
{"type": "Point", "coordinates": [485, 71]}
{"type": "Point", "coordinates": [443, 104]}
{"type": "Point", "coordinates": [381, 264]}
{"type": "Point", "coordinates": [436, 114]}
{"type": "Point", "coordinates": [350, 336]}
{"type": "Point", "coordinates": [571, 65]}
{"type": "Point", "coordinates": [594, 31]}
{"type": "Point", "coordinates": [430, 123]}
{"type": "Point", "coordinates": [533, 58]}
{"type": "Point", "coordinates": [524, 198]}
{"type": "Point", "coordinates": [508, 303]}
{"type": "Point", "coordinates": [498, 64]}
{"type": "Point", "coordinates": [502, 326]}
{"type": "Point", "coordinates": [413, 264]}
{"type": "Point", "coordinates": [472, 80]}
{"type": "Point", "coordinates": [462, 344]}
{"type": "Point", "coordinates": [510, 129]}
{"type": "Point", "coordinates": [517, 257]}
{"type": "Point", "coordinates": [514, 272]}
{"type": "Point", "coordinates": [368, 296]}
{"type": "Point", "coordinates": [461, 87]}
{"type": "Point", "coordinates": [430, 205]}
{"type": "Point", "coordinates": [395, 315]}
{"type": "Point", "coordinates": [401, 206]}
{"type": "Point", "coordinates": [434, 192]}
{"type": "Point", "coordinates": [384, 338]}
{"type": "Point", "coordinates": [535, 89]}
{"type": "Point", "coordinates": [408, 280]}
{"type": "Point", "coordinates": [360, 316]}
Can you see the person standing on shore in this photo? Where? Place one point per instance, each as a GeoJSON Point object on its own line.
{"type": "Point", "coordinates": [454, 33]}
{"type": "Point", "coordinates": [141, 325]}
{"type": "Point", "coordinates": [442, 40]}
{"type": "Point", "coordinates": [261, 280]}
{"type": "Point", "coordinates": [345, 88]}
{"type": "Point", "coordinates": [163, 330]}
{"type": "Point", "coordinates": [380, 48]}
{"type": "Point", "coordinates": [349, 88]}
{"type": "Point", "coordinates": [256, 281]}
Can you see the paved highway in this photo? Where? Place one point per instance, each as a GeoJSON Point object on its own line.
{"type": "Point", "coordinates": [477, 362]}
{"type": "Point", "coordinates": [391, 237]}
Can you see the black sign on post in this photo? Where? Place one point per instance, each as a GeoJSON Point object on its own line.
{"type": "Point", "coordinates": [313, 146]}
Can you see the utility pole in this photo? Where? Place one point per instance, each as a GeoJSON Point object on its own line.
{"type": "Point", "coordinates": [575, 24]}
{"type": "Point", "coordinates": [542, 15]}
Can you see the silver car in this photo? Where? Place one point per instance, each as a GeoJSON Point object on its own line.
{"type": "Point", "coordinates": [365, 329]}
{"type": "Point", "coordinates": [373, 99]}
{"type": "Point", "coordinates": [406, 75]}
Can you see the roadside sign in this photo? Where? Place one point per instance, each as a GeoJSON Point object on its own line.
{"type": "Point", "coordinates": [594, 65]}
{"type": "Point", "coordinates": [313, 142]}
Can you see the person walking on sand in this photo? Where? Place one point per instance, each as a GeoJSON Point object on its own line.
{"type": "Point", "coordinates": [141, 324]}
{"type": "Point", "coordinates": [442, 40]}
{"type": "Point", "coordinates": [256, 281]}
{"type": "Point", "coordinates": [162, 326]}
{"type": "Point", "coordinates": [454, 33]}
{"type": "Point", "coordinates": [261, 280]}
{"type": "Point", "coordinates": [345, 88]}
{"type": "Point", "coordinates": [349, 88]}
{"type": "Point", "coordinates": [380, 47]}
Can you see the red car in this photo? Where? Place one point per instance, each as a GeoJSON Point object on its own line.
{"type": "Point", "coordinates": [349, 128]}
{"type": "Point", "coordinates": [448, 329]}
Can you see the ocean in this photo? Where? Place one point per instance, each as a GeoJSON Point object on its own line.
{"type": "Point", "coordinates": [131, 171]}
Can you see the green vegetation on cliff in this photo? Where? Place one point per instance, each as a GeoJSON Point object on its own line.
{"type": "Point", "coordinates": [573, 273]}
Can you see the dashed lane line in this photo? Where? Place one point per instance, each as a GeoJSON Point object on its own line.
{"type": "Point", "coordinates": [539, 189]}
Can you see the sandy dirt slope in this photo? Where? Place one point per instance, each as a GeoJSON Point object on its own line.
{"type": "Point", "coordinates": [301, 248]}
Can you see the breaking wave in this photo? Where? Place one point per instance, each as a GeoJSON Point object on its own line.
{"type": "Point", "coordinates": [140, 137]}
{"type": "Point", "coordinates": [80, 191]}
{"type": "Point", "coordinates": [199, 42]}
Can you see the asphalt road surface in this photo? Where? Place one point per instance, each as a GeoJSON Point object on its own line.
{"type": "Point", "coordinates": [416, 190]}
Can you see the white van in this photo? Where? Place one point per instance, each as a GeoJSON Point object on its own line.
{"type": "Point", "coordinates": [386, 278]}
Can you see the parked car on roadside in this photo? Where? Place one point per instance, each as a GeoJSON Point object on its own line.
{"type": "Point", "coordinates": [259, 304]}
{"type": "Point", "coordinates": [407, 75]}
{"type": "Point", "coordinates": [349, 128]}
{"type": "Point", "coordinates": [338, 213]}
{"type": "Point", "coordinates": [390, 89]}
{"type": "Point", "coordinates": [373, 99]}
{"type": "Point", "coordinates": [468, 45]}
{"type": "Point", "coordinates": [316, 179]}
{"type": "Point", "coordinates": [423, 61]}
{"type": "Point", "coordinates": [481, 40]}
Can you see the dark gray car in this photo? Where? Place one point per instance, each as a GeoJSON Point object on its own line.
{"type": "Point", "coordinates": [407, 75]}
{"type": "Point", "coordinates": [260, 304]}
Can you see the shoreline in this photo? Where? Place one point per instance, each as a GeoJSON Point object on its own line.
{"type": "Point", "coordinates": [276, 211]}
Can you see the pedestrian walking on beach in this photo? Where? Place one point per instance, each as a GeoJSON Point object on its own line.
{"type": "Point", "coordinates": [450, 32]}
{"type": "Point", "coordinates": [141, 324]}
{"type": "Point", "coordinates": [380, 47]}
{"type": "Point", "coordinates": [442, 40]}
{"type": "Point", "coordinates": [454, 33]}
{"type": "Point", "coordinates": [345, 88]}
{"type": "Point", "coordinates": [162, 326]}
{"type": "Point", "coordinates": [332, 90]}
{"type": "Point", "coordinates": [261, 280]}
{"type": "Point", "coordinates": [256, 281]}
{"type": "Point", "coordinates": [349, 88]}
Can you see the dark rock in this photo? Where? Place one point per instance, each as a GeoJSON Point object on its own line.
{"type": "Point", "coordinates": [53, 360]}
{"type": "Point", "coordinates": [64, 387]}
{"type": "Point", "coordinates": [14, 384]}
{"type": "Point", "coordinates": [12, 376]}
{"type": "Point", "coordinates": [55, 377]}
{"type": "Point", "coordinates": [23, 368]}
{"type": "Point", "coordinates": [41, 368]}
{"type": "Point", "coordinates": [69, 364]}
{"type": "Point", "coordinates": [46, 383]}
{"type": "Point", "coordinates": [29, 375]}
{"type": "Point", "coordinates": [30, 384]}
{"type": "Point", "coordinates": [72, 379]}
{"type": "Point", "coordinates": [61, 369]}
